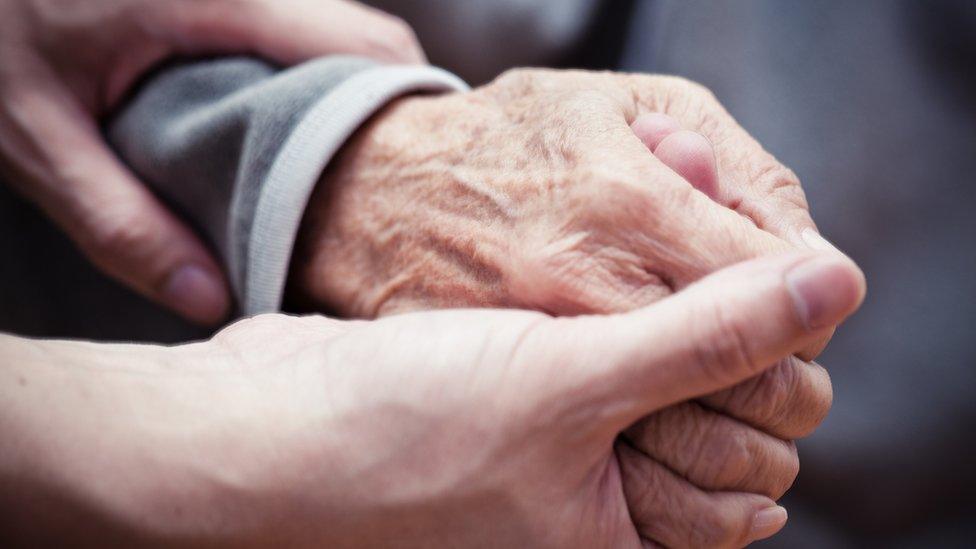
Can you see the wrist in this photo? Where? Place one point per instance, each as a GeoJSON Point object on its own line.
{"type": "Point", "coordinates": [65, 437]}
{"type": "Point", "coordinates": [402, 220]}
{"type": "Point", "coordinates": [254, 458]}
{"type": "Point", "coordinates": [203, 449]}
{"type": "Point", "coordinates": [124, 443]}
{"type": "Point", "coordinates": [328, 270]}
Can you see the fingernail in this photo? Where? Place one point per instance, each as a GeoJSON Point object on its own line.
{"type": "Point", "coordinates": [816, 241]}
{"type": "Point", "coordinates": [767, 522]}
{"type": "Point", "coordinates": [197, 294]}
{"type": "Point", "coordinates": [824, 288]}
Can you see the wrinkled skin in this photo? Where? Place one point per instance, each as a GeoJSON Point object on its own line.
{"type": "Point", "coordinates": [535, 192]}
{"type": "Point", "coordinates": [462, 428]}
{"type": "Point", "coordinates": [540, 191]}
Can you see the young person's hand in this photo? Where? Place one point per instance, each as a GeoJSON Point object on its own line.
{"type": "Point", "coordinates": [65, 63]}
{"type": "Point", "coordinates": [470, 428]}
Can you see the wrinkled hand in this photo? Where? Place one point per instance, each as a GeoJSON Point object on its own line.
{"type": "Point", "coordinates": [64, 63]}
{"type": "Point", "coordinates": [538, 191]}
{"type": "Point", "coordinates": [458, 428]}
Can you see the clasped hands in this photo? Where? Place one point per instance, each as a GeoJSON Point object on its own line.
{"type": "Point", "coordinates": [488, 428]}
{"type": "Point", "coordinates": [668, 421]}
{"type": "Point", "coordinates": [574, 193]}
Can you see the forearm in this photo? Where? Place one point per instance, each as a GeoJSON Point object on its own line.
{"type": "Point", "coordinates": [103, 443]}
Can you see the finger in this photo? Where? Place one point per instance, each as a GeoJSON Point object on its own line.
{"type": "Point", "coordinates": [113, 219]}
{"type": "Point", "coordinates": [687, 156]}
{"type": "Point", "coordinates": [671, 512]}
{"type": "Point", "coordinates": [815, 241]}
{"type": "Point", "coordinates": [289, 31]}
{"type": "Point", "coordinates": [652, 128]}
{"type": "Point", "coordinates": [690, 155]}
{"type": "Point", "coordinates": [687, 153]}
{"type": "Point", "coordinates": [127, 233]}
{"type": "Point", "coordinates": [728, 328]}
{"type": "Point", "coordinates": [712, 237]}
{"type": "Point", "coordinates": [285, 31]}
{"type": "Point", "coordinates": [751, 180]}
{"type": "Point", "coordinates": [716, 452]}
{"type": "Point", "coordinates": [758, 185]}
{"type": "Point", "coordinates": [788, 400]}
{"type": "Point", "coordinates": [679, 234]}
{"type": "Point", "coordinates": [813, 350]}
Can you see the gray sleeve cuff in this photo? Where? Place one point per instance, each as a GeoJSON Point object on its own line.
{"type": "Point", "coordinates": [299, 164]}
{"type": "Point", "coordinates": [237, 145]}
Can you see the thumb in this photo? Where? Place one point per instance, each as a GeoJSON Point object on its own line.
{"type": "Point", "coordinates": [117, 223]}
{"type": "Point", "coordinates": [716, 333]}
{"type": "Point", "coordinates": [127, 233]}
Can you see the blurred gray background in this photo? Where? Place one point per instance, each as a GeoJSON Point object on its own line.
{"type": "Point", "coordinates": [873, 104]}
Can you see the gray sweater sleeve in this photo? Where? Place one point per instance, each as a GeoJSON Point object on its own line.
{"type": "Point", "coordinates": [237, 146]}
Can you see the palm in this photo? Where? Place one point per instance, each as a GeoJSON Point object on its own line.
{"type": "Point", "coordinates": [498, 427]}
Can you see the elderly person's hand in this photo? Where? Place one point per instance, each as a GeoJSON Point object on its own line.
{"type": "Point", "coordinates": [64, 63]}
{"type": "Point", "coordinates": [536, 191]}
{"type": "Point", "coordinates": [574, 192]}
{"type": "Point", "coordinates": [452, 428]}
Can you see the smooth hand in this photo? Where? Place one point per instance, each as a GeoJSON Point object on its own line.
{"type": "Point", "coordinates": [66, 63]}
{"type": "Point", "coordinates": [448, 428]}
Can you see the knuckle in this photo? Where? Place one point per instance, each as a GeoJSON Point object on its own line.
{"type": "Point", "coordinates": [724, 458]}
{"type": "Point", "coordinates": [794, 395]}
{"type": "Point", "coordinates": [788, 470]}
{"type": "Point", "coordinates": [693, 103]}
{"type": "Point", "coordinates": [681, 91]}
{"type": "Point", "coordinates": [583, 100]}
{"type": "Point", "coordinates": [692, 88]}
{"type": "Point", "coordinates": [642, 487]}
{"type": "Point", "coordinates": [517, 77]}
{"type": "Point", "coordinates": [789, 399]}
{"type": "Point", "coordinates": [733, 457]}
{"type": "Point", "coordinates": [717, 527]}
{"type": "Point", "coordinates": [815, 400]}
{"type": "Point", "coordinates": [774, 393]}
{"type": "Point", "coordinates": [111, 233]}
{"type": "Point", "coordinates": [521, 82]}
{"type": "Point", "coordinates": [776, 180]}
